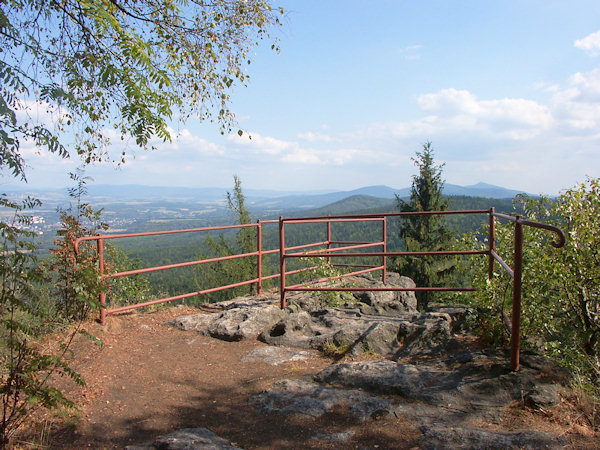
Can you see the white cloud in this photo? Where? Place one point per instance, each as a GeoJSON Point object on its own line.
{"type": "Point", "coordinates": [410, 52]}
{"type": "Point", "coordinates": [40, 112]}
{"type": "Point", "coordinates": [454, 112]}
{"type": "Point", "coordinates": [294, 152]}
{"type": "Point", "coordinates": [315, 137]}
{"type": "Point", "coordinates": [186, 140]}
{"type": "Point", "coordinates": [263, 144]}
{"type": "Point", "coordinates": [577, 106]}
{"type": "Point", "coordinates": [590, 44]}
{"type": "Point", "coordinates": [460, 110]}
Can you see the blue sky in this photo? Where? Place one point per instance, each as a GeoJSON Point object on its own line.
{"type": "Point", "coordinates": [508, 92]}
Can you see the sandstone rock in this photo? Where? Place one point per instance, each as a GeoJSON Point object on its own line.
{"type": "Point", "coordinates": [348, 329]}
{"type": "Point", "coordinates": [188, 439]}
{"type": "Point", "coordinates": [308, 400]}
{"type": "Point", "coordinates": [383, 376]}
{"type": "Point", "coordinates": [472, 438]}
{"type": "Point", "coordinates": [468, 384]}
{"type": "Point", "coordinates": [241, 318]}
{"type": "Point", "coordinates": [341, 437]}
{"type": "Point", "coordinates": [392, 336]}
{"type": "Point", "coordinates": [196, 322]}
{"type": "Point", "coordinates": [382, 302]}
{"type": "Point", "coordinates": [425, 333]}
{"type": "Point", "coordinates": [275, 355]}
{"type": "Point", "coordinates": [544, 396]}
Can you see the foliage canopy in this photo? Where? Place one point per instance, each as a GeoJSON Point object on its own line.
{"type": "Point", "coordinates": [75, 74]}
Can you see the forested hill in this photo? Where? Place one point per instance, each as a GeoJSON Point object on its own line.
{"type": "Point", "coordinates": [365, 204]}
{"type": "Point", "coordinates": [170, 249]}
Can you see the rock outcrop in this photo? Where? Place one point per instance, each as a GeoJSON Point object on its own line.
{"type": "Point", "coordinates": [241, 318]}
{"type": "Point", "coordinates": [427, 376]}
{"type": "Point", "coordinates": [187, 438]}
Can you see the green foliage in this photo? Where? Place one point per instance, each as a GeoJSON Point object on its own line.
{"type": "Point", "coordinates": [230, 271]}
{"type": "Point", "coordinates": [24, 370]}
{"type": "Point", "coordinates": [335, 351]}
{"type": "Point", "coordinates": [76, 281]}
{"type": "Point", "coordinates": [322, 269]}
{"type": "Point", "coordinates": [97, 65]}
{"type": "Point", "coordinates": [561, 287]}
{"type": "Point", "coordinates": [124, 290]}
{"type": "Point", "coordinates": [427, 232]}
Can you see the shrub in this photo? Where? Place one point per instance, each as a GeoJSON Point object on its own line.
{"type": "Point", "coordinates": [561, 290]}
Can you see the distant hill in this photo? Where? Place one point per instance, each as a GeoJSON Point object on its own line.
{"type": "Point", "coordinates": [480, 190]}
{"type": "Point", "coordinates": [351, 205]}
{"type": "Point", "coordinates": [259, 197]}
{"type": "Point", "coordinates": [314, 202]}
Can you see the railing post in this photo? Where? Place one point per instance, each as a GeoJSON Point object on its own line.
{"type": "Point", "coordinates": [102, 296]}
{"type": "Point", "coordinates": [492, 242]}
{"type": "Point", "coordinates": [259, 257]}
{"type": "Point", "coordinates": [384, 258]}
{"type": "Point", "coordinates": [282, 263]}
{"type": "Point", "coordinates": [328, 240]}
{"type": "Point", "coordinates": [517, 285]}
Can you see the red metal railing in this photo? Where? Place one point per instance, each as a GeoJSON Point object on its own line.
{"type": "Point", "coordinates": [332, 249]}
{"type": "Point", "coordinates": [517, 272]}
{"type": "Point", "coordinates": [337, 252]}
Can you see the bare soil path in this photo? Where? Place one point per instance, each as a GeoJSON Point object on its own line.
{"type": "Point", "coordinates": [150, 379]}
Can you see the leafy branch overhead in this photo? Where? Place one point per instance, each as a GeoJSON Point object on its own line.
{"type": "Point", "coordinates": [104, 68]}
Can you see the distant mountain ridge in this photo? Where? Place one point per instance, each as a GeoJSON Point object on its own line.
{"type": "Point", "coordinates": [268, 200]}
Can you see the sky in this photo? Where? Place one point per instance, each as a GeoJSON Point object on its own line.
{"type": "Point", "coordinates": [507, 92]}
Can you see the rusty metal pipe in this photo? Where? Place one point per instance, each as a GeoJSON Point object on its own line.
{"type": "Point", "coordinates": [102, 295]}
{"type": "Point", "coordinates": [491, 243]}
{"type": "Point", "coordinates": [329, 239]}
{"type": "Point", "coordinates": [516, 309]}
{"type": "Point", "coordinates": [290, 272]}
{"type": "Point", "coordinates": [179, 297]}
{"type": "Point", "coordinates": [282, 302]}
{"type": "Point", "coordinates": [503, 263]}
{"type": "Point", "coordinates": [359, 217]}
{"type": "Point", "coordinates": [338, 249]}
{"type": "Point", "coordinates": [259, 257]}
{"type": "Point", "coordinates": [178, 265]}
{"type": "Point", "coordinates": [321, 280]}
{"type": "Point", "coordinates": [389, 289]}
{"type": "Point", "coordinates": [384, 250]}
{"type": "Point", "coordinates": [336, 255]}
{"type": "Point", "coordinates": [366, 218]}
{"type": "Point", "coordinates": [155, 233]}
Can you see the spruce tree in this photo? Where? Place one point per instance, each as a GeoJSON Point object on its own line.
{"type": "Point", "coordinates": [425, 232]}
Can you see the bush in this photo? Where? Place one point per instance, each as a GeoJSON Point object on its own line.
{"type": "Point", "coordinates": [24, 370]}
{"type": "Point", "coordinates": [561, 287]}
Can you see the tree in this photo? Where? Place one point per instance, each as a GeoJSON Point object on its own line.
{"type": "Point", "coordinates": [74, 278]}
{"type": "Point", "coordinates": [427, 232]}
{"type": "Point", "coordinates": [234, 270]}
{"type": "Point", "coordinates": [73, 73]}
{"type": "Point", "coordinates": [25, 367]}
{"type": "Point", "coordinates": [93, 68]}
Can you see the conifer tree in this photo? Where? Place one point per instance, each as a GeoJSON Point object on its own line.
{"type": "Point", "coordinates": [426, 232]}
{"type": "Point", "coordinates": [234, 270]}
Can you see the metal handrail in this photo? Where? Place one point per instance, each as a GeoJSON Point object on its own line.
{"type": "Point", "coordinates": [340, 251]}
{"type": "Point", "coordinates": [516, 273]}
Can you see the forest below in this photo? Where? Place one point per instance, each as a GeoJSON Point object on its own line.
{"type": "Point", "coordinates": [149, 251]}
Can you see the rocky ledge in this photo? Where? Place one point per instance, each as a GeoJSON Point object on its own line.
{"type": "Point", "coordinates": [417, 368]}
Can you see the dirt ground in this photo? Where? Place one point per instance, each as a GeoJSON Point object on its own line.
{"type": "Point", "coordinates": [150, 379]}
